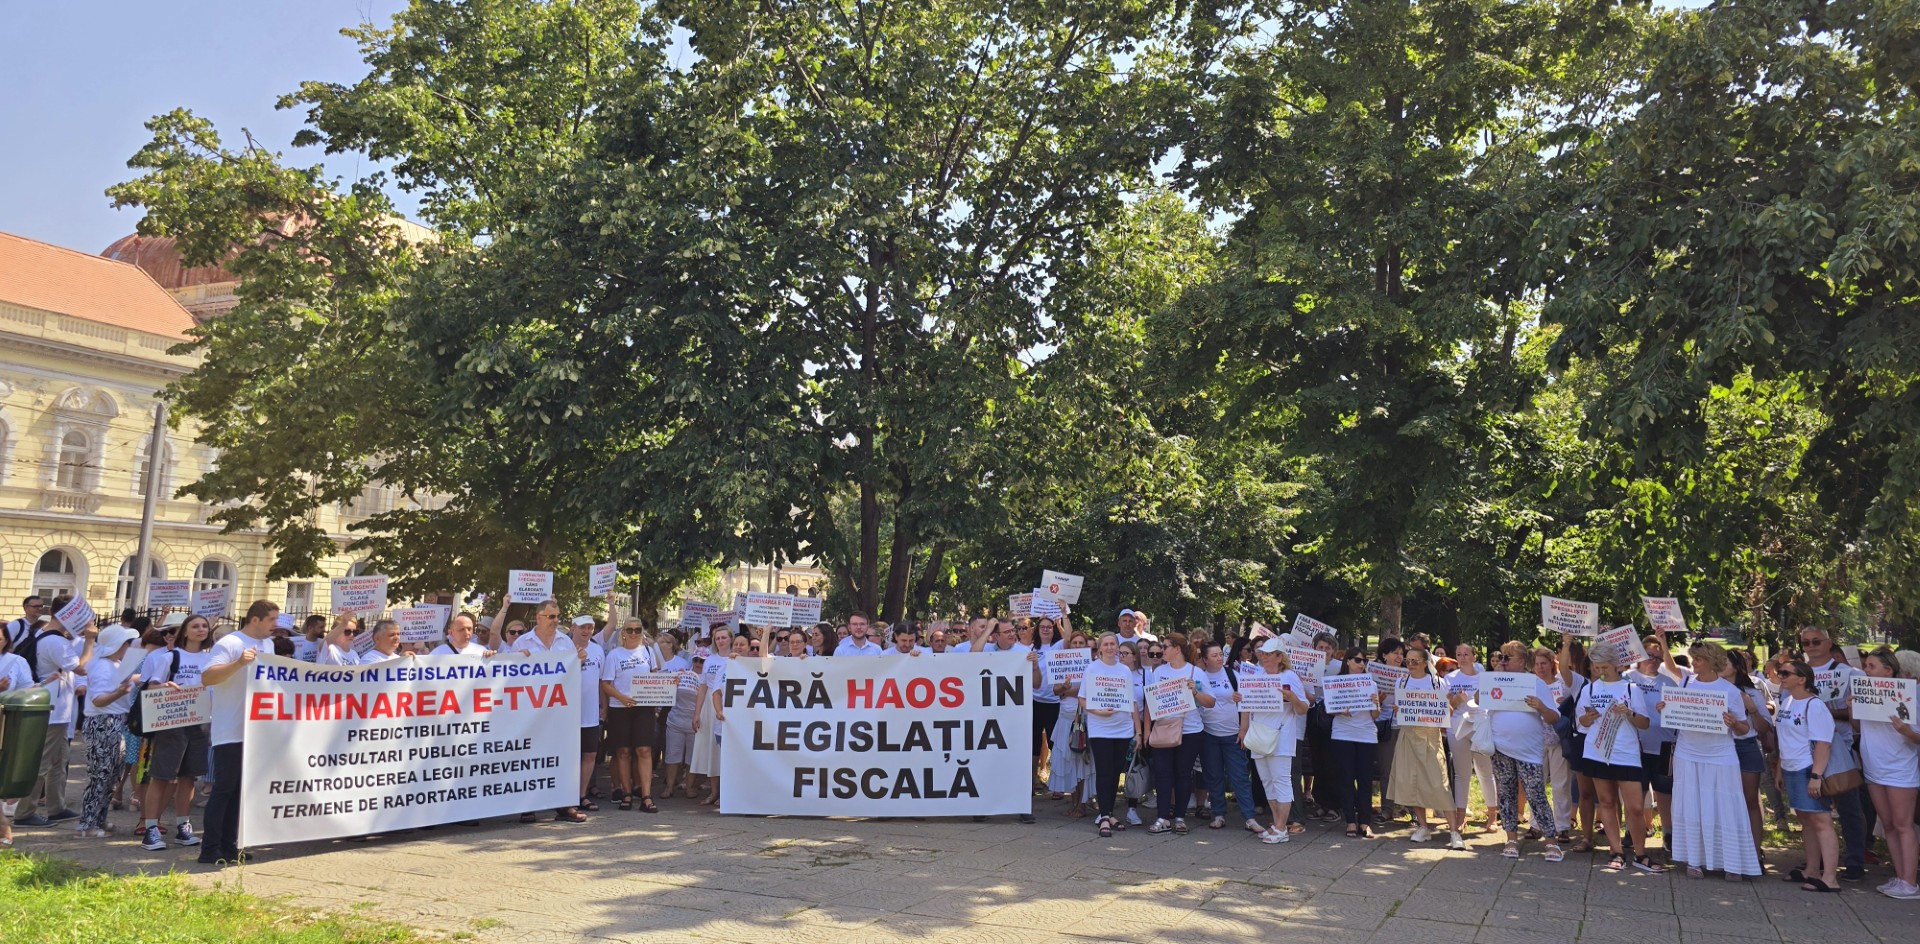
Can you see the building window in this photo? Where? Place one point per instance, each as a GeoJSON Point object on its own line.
{"type": "Point", "coordinates": [75, 469]}
{"type": "Point", "coordinates": [361, 568]}
{"type": "Point", "coordinates": [123, 588]}
{"type": "Point", "coordinates": [57, 574]}
{"type": "Point", "coordinates": [140, 469]}
{"type": "Point", "coordinates": [213, 574]}
{"type": "Point", "coordinates": [299, 598]}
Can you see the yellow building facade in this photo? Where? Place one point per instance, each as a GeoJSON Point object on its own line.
{"type": "Point", "coordinates": [84, 345]}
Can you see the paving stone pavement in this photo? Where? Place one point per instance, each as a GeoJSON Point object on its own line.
{"type": "Point", "coordinates": [689, 874]}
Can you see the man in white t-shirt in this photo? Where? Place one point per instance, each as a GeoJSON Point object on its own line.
{"type": "Point", "coordinates": [57, 656]}
{"type": "Point", "coordinates": [460, 639]}
{"type": "Point", "coordinates": [857, 643]}
{"type": "Point", "coordinates": [226, 680]}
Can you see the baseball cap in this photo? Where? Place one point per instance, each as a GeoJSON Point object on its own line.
{"type": "Point", "coordinates": [1274, 644]}
{"type": "Point", "coordinates": [1125, 613]}
{"type": "Point", "coordinates": [583, 620]}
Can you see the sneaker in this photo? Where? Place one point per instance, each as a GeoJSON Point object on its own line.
{"type": "Point", "coordinates": [36, 821]}
{"type": "Point", "coordinates": [1421, 834]}
{"type": "Point", "coordinates": [1133, 816]}
{"type": "Point", "coordinates": [1456, 842]}
{"type": "Point", "coordinates": [1273, 836]}
{"type": "Point", "coordinates": [153, 841]}
{"type": "Point", "coordinates": [63, 816]}
{"type": "Point", "coordinates": [1905, 892]}
{"type": "Point", "coordinates": [184, 835]}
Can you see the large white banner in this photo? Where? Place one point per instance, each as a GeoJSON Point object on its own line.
{"type": "Point", "coordinates": [886, 736]}
{"type": "Point", "coordinates": [349, 750]}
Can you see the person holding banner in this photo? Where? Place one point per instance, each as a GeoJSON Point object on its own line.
{"type": "Point", "coordinates": [1111, 728]}
{"type": "Point", "coordinates": [1710, 827]}
{"type": "Point", "coordinates": [1388, 657]}
{"type": "Point", "coordinates": [179, 755]}
{"type": "Point", "coordinates": [633, 729]}
{"type": "Point", "coordinates": [856, 643]}
{"type": "Point", "coordinates": [1806, 732]}
{"type": "Point", "coordinates": [1222, 760]}
{"type": "Point", "coordinates": [109, 698]}
{"type": "Point", "coordinates": [705, 761]}
{"type": "Point", "coordinates": [1418, 778]}
{"type": "Point", "coordinates": [1519, 750]}
{"type": "Point", "coordinates": [1046, 702]}
{"type": "Point", "coordinates": [676, 736]}
{"type": "Point", "coordinates": [1609, 710]}
{"type": "Point", "coordinates": [593, 710]}
{"type": "Point", "coordinates": [1890, 757]}
{"type": "Point", "coordinates": [338, 649]}
{"type": "Point", "coordinates": [226, 679]}
{"type": "Point", "coordinates": [459, 640]}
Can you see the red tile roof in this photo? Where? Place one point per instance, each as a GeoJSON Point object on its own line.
{"type": "Point", "coordinates": [43, 276]}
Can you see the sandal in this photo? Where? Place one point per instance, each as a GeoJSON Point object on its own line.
{"type": "Point", "coordinates": [529, 818]}
{"type": "Point", "coordinates": [1180, 826]}
{"type": "Point", "coordinates": [1295, 829]}
{"type": "Point", "coordinates": [1160, 826]}
{"type": "Point", "coordinates": [1815, 885]}
{"type": "Point", "coordinates": [1796, 876]}
{"type": "Point", "coordinates": [626, 803]}
{"type": "Point", "coordinates": [1553, 852]}
{"type": "Point", "coordinates": [1646, 864]}
{"type": "Point", "coordinates": [1106, 827]}
{"type": "Point", "coordinates": [1695, 872]}
{"type": "Point", "coordinates": [1219, 822]}
{"type": "Point", "coordinates": [587, 804]}
{"type": "Point", "coordinates": [1353, 832]}
{"type": "Point", "coordinates": [1582, 845]}
{"type": "Point", "coordinates": [570, 815]}
{"type": "Point", "coordinates": [647, 805]}
{"type": "Point", "coordinates": [1253, 826]}
{"type": "Point", "coordinates": [1615, 862]}
{"type": "Point", "coordinates": [1512, 851]}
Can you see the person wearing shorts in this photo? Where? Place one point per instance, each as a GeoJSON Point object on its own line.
{"type": "Point", "coordinates": [633, 730]}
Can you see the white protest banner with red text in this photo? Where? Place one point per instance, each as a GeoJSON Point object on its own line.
{"type": "Point", "coordinates": [886, 736]}
{"type": "Point", "coordinates": [360, 594]}
{"type": "Point", "coordinates": [601, 577]}
{"type": "Point", "coordinates": [350, 750]}
{"type": "Point", "coordinates": [424, 623]}
{"type": "Point", "coordinates": [163, 709]}
{"type": "Point", "coordinates": [1664, 614]}
{"type": "Point", "coordinates": [165, 593]}
{"type": "Point", "coordinates": [529, 586]}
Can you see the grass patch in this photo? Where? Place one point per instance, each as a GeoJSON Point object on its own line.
{"type": "Point", "coordinates": [49, 901]}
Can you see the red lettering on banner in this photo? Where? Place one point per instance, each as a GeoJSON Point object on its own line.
{"type": "Point", "coordinates": [889, 696]}
{"type": "Point", "coordinates": [920, 692]}
{"type": "Point", "coordinates": [953, 693]}
{"type": "Point", "coordinates": [859, 693]}
{"type": "Point", "coordinates": [263, 708]}
{"type": "Point", "coordinates": [482, 701]}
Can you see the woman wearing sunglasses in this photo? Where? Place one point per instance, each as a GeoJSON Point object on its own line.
{"type": "Point", "coordinates": [1173, 765]}
{"type": "Point", "coordinates": [1418, 780]}
{"type": "Point", "coordinates": [1611, 712]}
{"type": "Point", "coordinates": [1805, 729]}
{"type": "Point", "coordinates": [1890, 758]}
{"type": "Point", "coordinates": [338, 649]}
{"type": "Point", "coordinates": [1355, 741]}
{"type": "Point", "coordinates": [1519, 754]}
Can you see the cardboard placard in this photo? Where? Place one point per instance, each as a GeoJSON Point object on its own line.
{"type": "Point", "coordinates": [1110, 693]}
{"type": "Point", "coordinates": [212, 602]}
{"type": "Point", "coordinates": [1262, 693]}
{"type": "Point", "coordinates": [529, 586]}
{"type": "Point", "coordinates": [1507, 691]}
{"type": "Point", "coordinates": [426, 623]}
{"type": "Point", "coordinates": [1065, 665]}
{"type": "Point", "coordinates": [767, 609]}
{"type": "Point", "coordinates": [361, 595]}
{"type": "Point", "coordinates": [76, 614]}
{"type": "Point", "coordinates": [806, 610]}
{"type": "Point", "coordinates": [1387, 678]}
{"type": "Point", "coordinates": [601, 577]}
{"type": "Point", "coordinates": [1664, 614]}
{"type": "Point", "coordinates": [1170, 698]}
{"type": "Point", "coordinates": [1064, 587]}
{"type": "Point", "coordinates": [654, 690]}
{"type": "Point", "coordinates": [163, 709]}
{"type": "Point", "coordinates": [694, 615]}
{"type": "Point", "coordinates": [1883, 699]}
{"type": "Point", "coordinates": [1044, 605]}
{"type": "Point", "coordinates": [1349, 693]}
{"type": "Point", "coordinates": [1020, 605]}
{"type": "Point", "coordinates": [1570, 617]}
{"type": "Point", "coordinates": [1305, 628]}
{"type": "Point", "coordinates": [1628, 639]}
{"type": "Point", "coordinates": [1421, 708]}
{"type": "Point", "coordinates": [163, 593]}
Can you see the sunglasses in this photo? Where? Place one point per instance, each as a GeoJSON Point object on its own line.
{"type": "Point", "coordinates": [1154, 652]}
{"type": "Point", "coordinates": [1812, 640]}
{"type": "Point", "coordinates": [516, 632]}
{"type": "Point", "coordinates": [635, 630]}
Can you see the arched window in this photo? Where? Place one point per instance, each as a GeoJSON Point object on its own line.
{"type": "Point", "coordinates": [123, 588]}
{"type": "Point", "coordinates": [75, 468]}
{"type": "Point", "coordinates": [57, 573]}
{"type": "Point", "coordinates": [361, 568]}
{"type": "Point", "coordinates": [166, 469]}
{"type": "Point", "coordinates": [213, 573]}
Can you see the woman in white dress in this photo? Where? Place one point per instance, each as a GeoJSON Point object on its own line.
{"type": "Point", "coordinates": [705, 761]}
{"type": "Point", "coordinates": [1071, 772]}
{"type": "Point", "coordinates": [1710, 825]}
{"type": "Point", "coordinates": [1890, 758]}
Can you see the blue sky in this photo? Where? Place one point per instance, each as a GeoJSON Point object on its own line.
{"type": "Point", "coordinates": [83, 76]}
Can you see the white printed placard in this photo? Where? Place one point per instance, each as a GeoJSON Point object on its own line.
{"type": "Point", "coordinates": [1019, 605]}
{"type": "Point", "coordinates": [767, 609]}
{"type": "Point", "coordinates": [164, 593]}
{"type": "Point", "coordinates": [1065, 665]}
{"type": "Point", "coordinates": [406, 743]}
{"type": "Point", "coordinates": [1044, 605]}
{"type": "Point", "coordinates": [728, 618]}
{"type": "Point", "coordinates": [806, 610]}
{"type": "Point", "coordinates": [1305, 628]}
{"type": "Point", "coordinates": [654, 690]}
{"type": "Point", "coordinates": [601, 577]}
{"type": "Point", "coordinates": [695, 615]}
{"type": "Point", "coordinates": [1349, 693]}
{"type": "Point", "coordinates": [1689, 709]}
{"type": "Point", "coordinates": [1110, 693]}
{"type": "Point", "coordinates": [890, 736]}
{"type": "Point", "coordinates": [1262, 693]}
{"type": "Point", "coordinates": [163, 709]}
{"type": "Point", "coordinates": [360, 594]}
{"type": "Point", "coordinates": [1628, 639]}
{"type": "Point", "coordinates": [1170, 698]}
{"type": "Point", "coordinates": [529, 586]}
{"type": "Point", "coordinates": [1664, 614]}
{"type": "Point", "coordinates": [425, 623]}
{"type": "Point", "coordinates": [1063, 587]}
{"type": "Point", "coordinates": [1307, 662]}
{"type": "Point", "coordinates": [1570, 617]}
{"type": "Point", "coordinates": [1883, 699]}
{"type": "Point", "coordinates": [212, 602]}
{"type": "Point", "coordinates": [1507, 691]}
{"type": "Point", "coordinates": [1386, 678]}
{"type": "Point", "coordinates": [1421, 708]}
{"type": "Point", "coordinates": [76, 615]}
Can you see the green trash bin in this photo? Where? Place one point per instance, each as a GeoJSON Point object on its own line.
{"type": "Point", "coordinates": [23, 731]}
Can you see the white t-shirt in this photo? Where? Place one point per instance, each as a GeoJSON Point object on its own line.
{"type": "Point", "coordinates": [1701, 747]}
{"type": "Point", "coordinates": [685, 705]}
{"type": "Point", "coordinates": [331, 654]}
{"type": "Point", "coordinates": [1517, 733]}
{"type": "Point", "coordinates": [621, 665]}
{"type": "Point", "coordinates": [14, 669]}
{"type": "Point", "coordinates": [230, 696]}
{"type": "Point", "coordinates": [847, 647]}
{"type": "Point", "coordinates": [1190, 723]}
{"type": "Point", "coordinates": [103, 676]}
{"type": "Point", "coordinates": [1223, 719]}
{"type": "Point", "coordinates": [1355, 727]}
{"type": "Point", "coordinates": [1600, 696]}
{"type": "Point", "coordinates": [530, 642]}
{"type": "Point", "coordinates": [56, 659]}
{"type": "Point", "coordinates": [159, 662]}
{"type": "Point", "coordinates": [1292, 724]}
{"type": "Point", "coordinates": [1886, 758]}
{"type": "Point", "coordinates": [587, 684]}
{"type": "Point", "coordinates": [1798, 723]}
{"type": "Point", "coordinates": [470, 649]}
{"type": "Point", "coordinates": [305, 650]}
{"type": "Point", "coordinates": [1120, 723]}
{"type": "Point", "coordinates": [1653, 737]}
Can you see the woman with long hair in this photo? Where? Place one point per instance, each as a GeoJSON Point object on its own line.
{"type": "Point", "coordinates": [1353, 744]}
{"type": "Point", "coordinates": [1393, 653]}
{"type": "Point", "coordinates": [1069, 769]}
{"type": "Point", "coordinates": [178, 757]}
{"type": "Point", "coordinates": [1710, 826]}
{"type": "Point", "coordinates": [1418, 780]}
{"type": "Point", "coordinates": [1045, 637]}
{"type": "Point", "coordinates": [1173, 766]}
{"type": "Point", "coordinates": [1890, 760]}
{"type": "Point", "coordinates": [1747, 747]}
{"type": "Point", "coordinates": [1110, 731]}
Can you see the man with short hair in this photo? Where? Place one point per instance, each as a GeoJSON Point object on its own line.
{"type": "Point", "coordinates": [977, 629]}
{"type": "Point", "coordinates": [35, 608]}
{"type": "Point", "coordinates": [937, 641]}
{"type": "Point", "coordinates": [225, 678]}
{"type": "Point", "coordinates": [903, 642]}
{"type": "Point", "coordinates": [857, 643]}
{"type": "Point", "coordinates": [54, 654]}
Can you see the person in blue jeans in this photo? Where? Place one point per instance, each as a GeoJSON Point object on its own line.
{"type": "Point", "coordinates": [1222, 760]}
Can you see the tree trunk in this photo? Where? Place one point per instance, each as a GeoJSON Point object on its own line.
{"type": "Point", "coordinates": [865, 597]}
{"type": "Point", "coordinates": [899, 567]}
{"type": "Point", "coordinates": [929, 575]}
{"type": "Point", "coordinates": [1390, 615]}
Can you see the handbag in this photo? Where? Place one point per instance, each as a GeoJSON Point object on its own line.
{"type": "Point", "coordinates": [1261, 740]}
{"type": "Point", "coordinates": [1482, 734]}
{"type": "Point", "coordinates": [1841, 782]}
{"type": "Point", "coordinates": [136, 724]}
{"type": "Point", "coordinates": [1077, 732]}
{"type": "Point", "coordinates": [1169, 732]}
{"type": "Point", "coordinates": [1573, 741]}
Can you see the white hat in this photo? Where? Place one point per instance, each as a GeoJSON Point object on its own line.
{"type": "Point", "coordinates": [583, 620]}
{"type": "Point", "coordinates": [1275, 644]}
{"type": "Point", "coordinates": [1125, 613]}
{"type": "Point", "coordinates": [113, 637]}
{"type": "Point", "coordinates": [175, 618]}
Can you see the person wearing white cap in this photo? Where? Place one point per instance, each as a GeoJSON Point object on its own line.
{"type": "Point", "coordinates": [109, 696]}
{"type": "Point", "coordinates": [593, 708]}
{"type": "Point", "coordinates": [1271, 737]}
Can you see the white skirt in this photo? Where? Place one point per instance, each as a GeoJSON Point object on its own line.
{"type": "Point", "coordinates": [1069, 769]}
{"type": "Point", "coordinates": [1710, 825]}
{"type": "Point", "coordinates": [706, 753]}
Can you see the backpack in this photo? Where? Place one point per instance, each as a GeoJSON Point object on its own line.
{"type": "Point", "coordinates": [1573, 741]}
